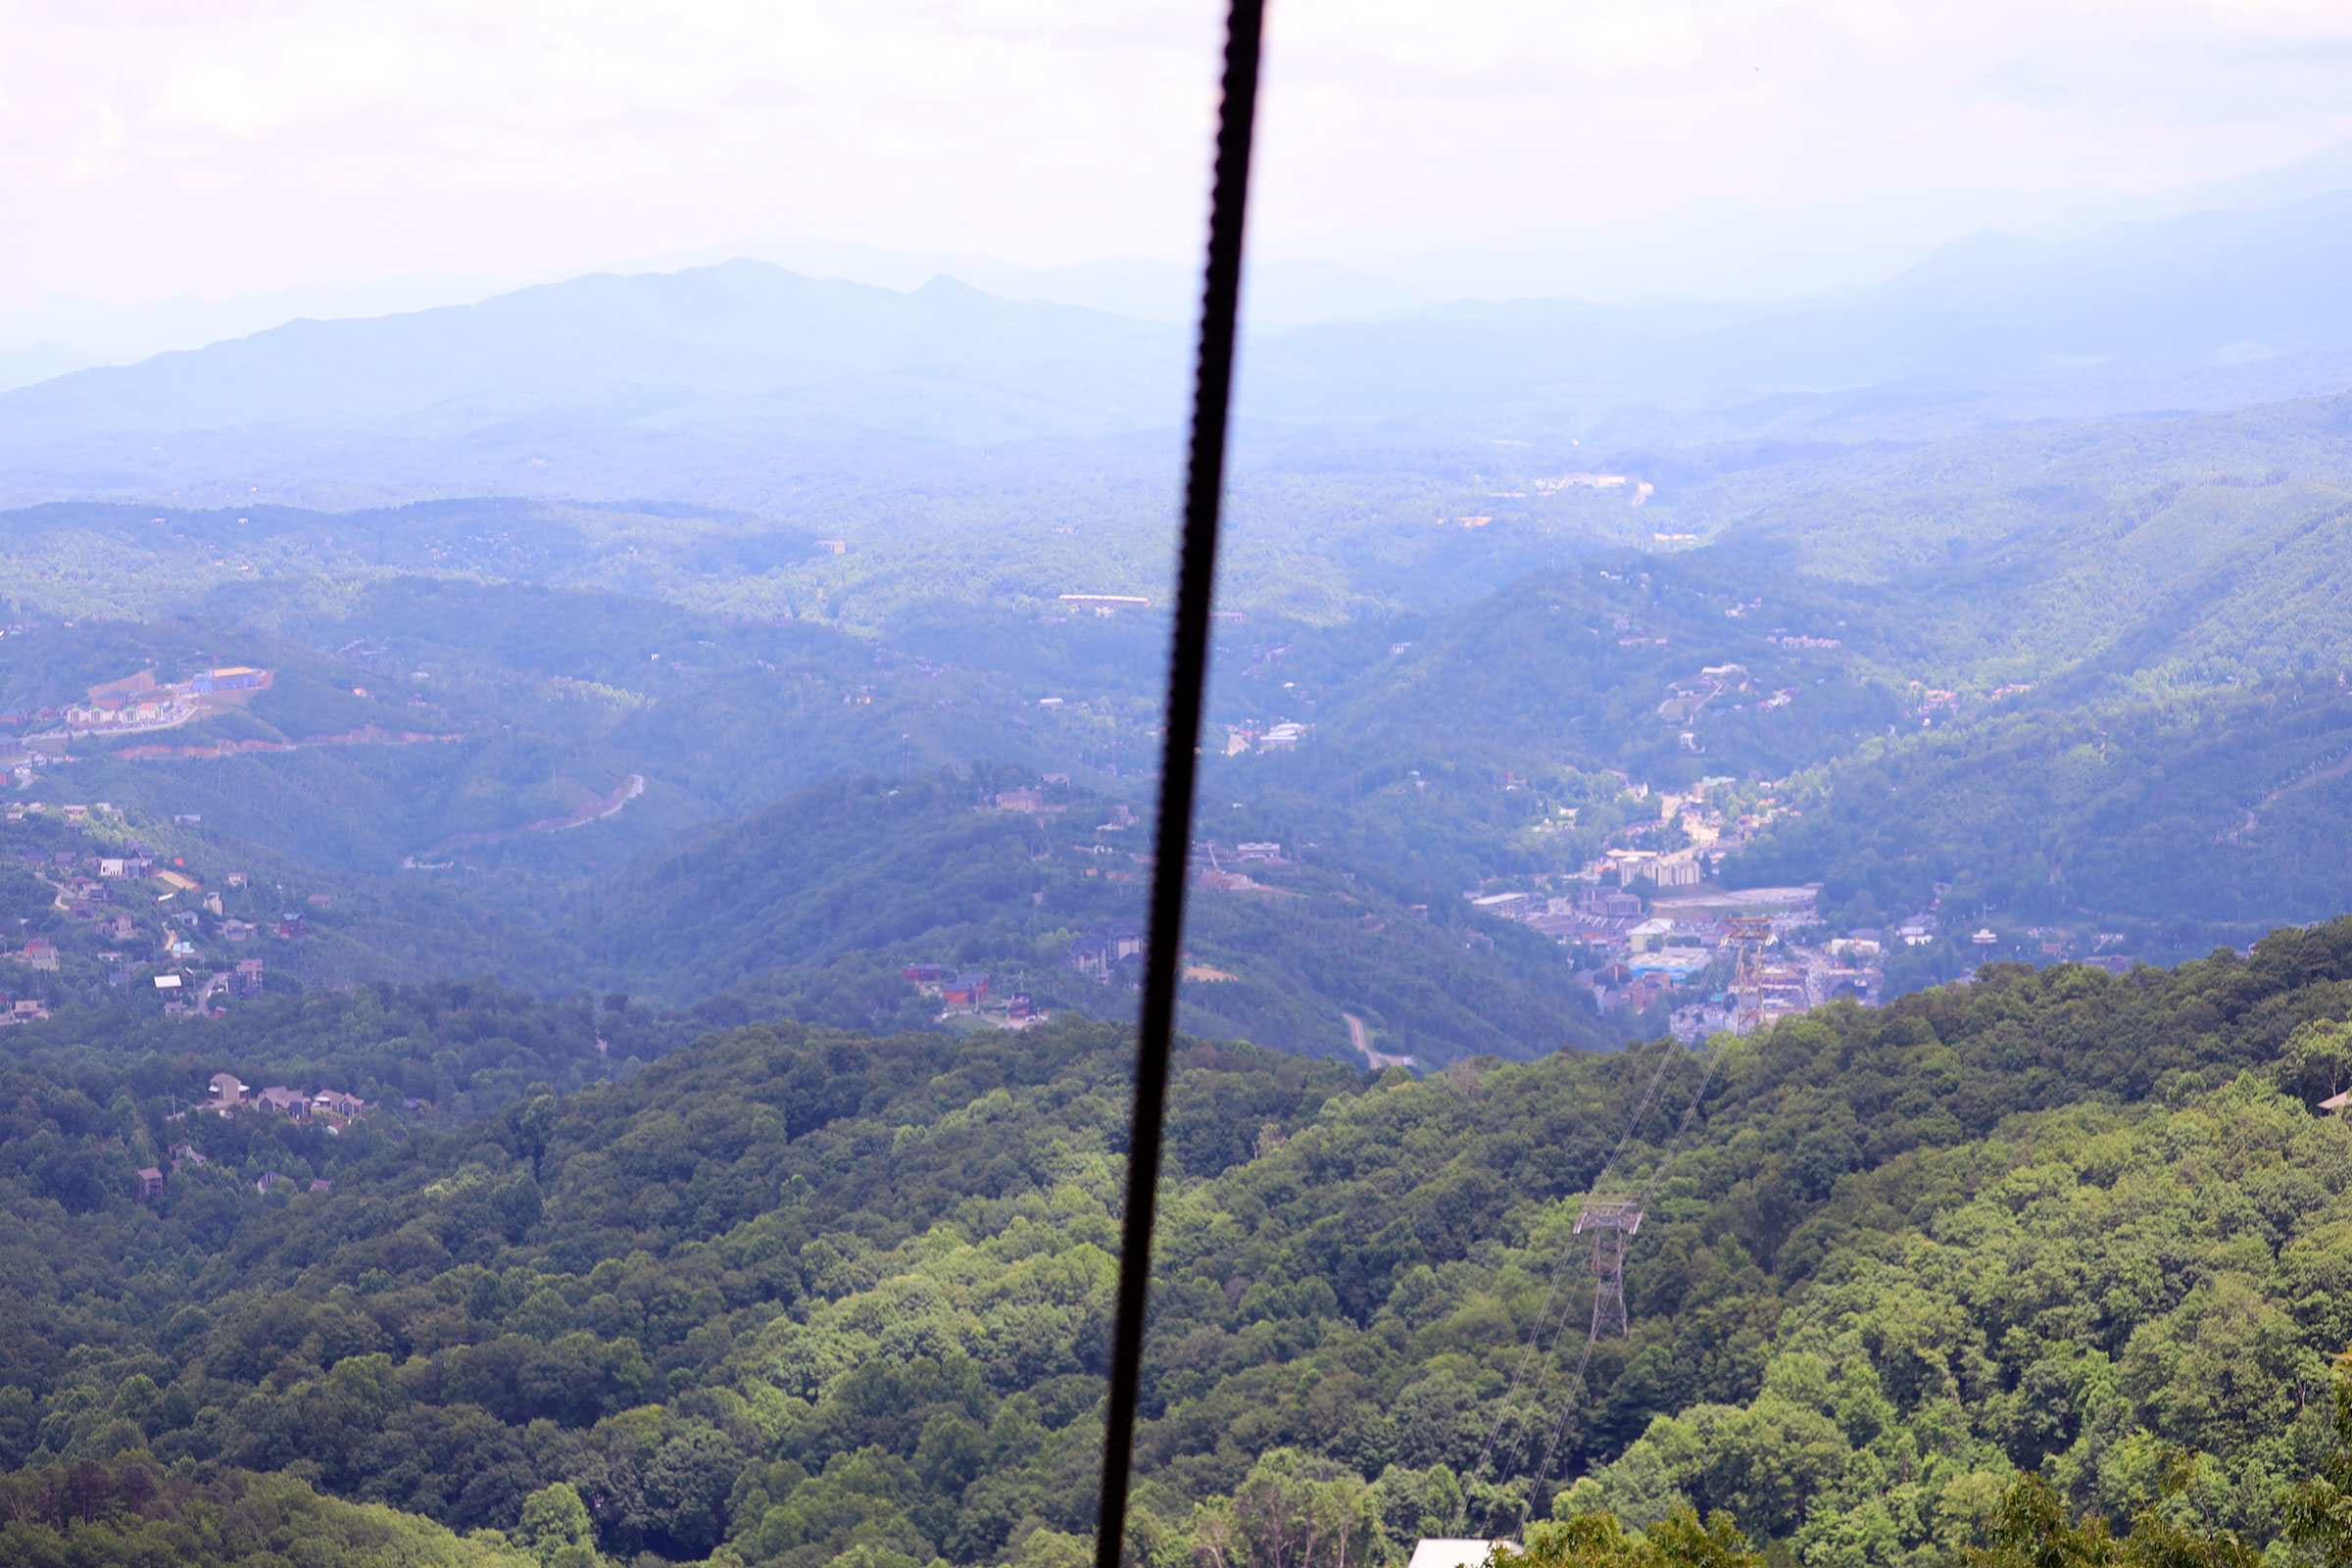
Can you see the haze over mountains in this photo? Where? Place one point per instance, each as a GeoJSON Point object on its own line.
{"type": "Point", "coordinates": [537, 390]}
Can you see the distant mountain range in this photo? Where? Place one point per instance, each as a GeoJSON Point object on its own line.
{"type": "Point", "coordinates": [644, 385]}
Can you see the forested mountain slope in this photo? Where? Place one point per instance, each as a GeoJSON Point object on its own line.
{"type": "Point", "coordinates": [789, 1294]}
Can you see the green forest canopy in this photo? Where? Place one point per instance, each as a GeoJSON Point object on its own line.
{"type": "Point", "coordinates": [784, 1295]}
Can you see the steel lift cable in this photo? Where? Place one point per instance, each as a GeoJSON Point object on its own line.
{"type": "Point", "coordinates": [1180, 750]}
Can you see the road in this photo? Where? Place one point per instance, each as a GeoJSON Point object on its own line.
{"type": "Point", "coordinates": [1361, 1038]}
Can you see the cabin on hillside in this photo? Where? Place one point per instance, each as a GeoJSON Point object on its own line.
{"type": "Point", "coordinates": [284, 1102]}
{"type": "Point", "coordinates": [335, 1102]}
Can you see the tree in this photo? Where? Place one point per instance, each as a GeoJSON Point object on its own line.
{"type": "Point", "coordinates": [557, 1528]}
{"type": "Point", "coordinates": [2319, 1512]}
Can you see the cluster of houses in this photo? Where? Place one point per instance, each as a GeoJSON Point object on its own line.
{"type": "Point", "coordinates": [1660, 934]}
{"type": "Point", "coordinates": [139, 702]}
{"type": "Point", "coordinates": [152, 1178]}
{"type": "Point", "coordinates": [332, 1109]}
{"type": "Point", "coordinates": [225, 1095]}
{"type": "Point", "coordinates": [90, 884]}
{"type": "Point", "coordinates": [971, 993]}
{"type": "Point", "coordinates": [1686, 946]}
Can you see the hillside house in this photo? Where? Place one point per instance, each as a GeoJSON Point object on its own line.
{"type": "Point", "coordinates": [226, 1090]}
{"type": "Point", "coordinates": [966, 991]}
{"type": "Point", "coordinates": [336, 1104]}
{"type": "Point", "coordinates": [186, 1155]}
{"type": "Point", "coordinates": [290, 927]}
{"type": "Point", "coordinates": [284, 1102]}
{"type": "Point", "coordinates": [1102, 949]}
{"type": "Point", "coordinates": [245, 981]}
{"type": "Point", "coordinates": [38, 955]}
{"type": "Point", "coordinates": [922, 976]}
{"type": "Point", "coordinates": [1020, 799]}
{"type": "Point", "coordinates": [271, 1182]}
{"type": "Point", "coordinates": [151, 1184]}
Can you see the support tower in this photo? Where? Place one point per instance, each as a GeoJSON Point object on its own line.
{"type": "Point", "coordinates": [1612, 1220]}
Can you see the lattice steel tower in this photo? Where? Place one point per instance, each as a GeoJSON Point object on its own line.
{"type": "Point", "coordinates": [1612, 1220]}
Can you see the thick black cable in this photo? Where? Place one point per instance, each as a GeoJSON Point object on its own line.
{"type": "Point", "coordinates": [1179, 752]}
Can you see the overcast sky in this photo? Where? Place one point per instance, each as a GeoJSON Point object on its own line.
{"type": "Point", "coordinates": [220, 147]}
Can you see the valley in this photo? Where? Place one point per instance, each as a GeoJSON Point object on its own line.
{"type": "Point", "coordinates": [580, 869]}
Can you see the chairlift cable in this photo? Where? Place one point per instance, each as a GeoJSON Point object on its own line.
{"type": "Point", "coordinates": [1188, 675]}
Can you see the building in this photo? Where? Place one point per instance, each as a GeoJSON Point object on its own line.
{"type": "Point", "coordinates": [1674, 872]}
{"type": "Point", "coordinates": [245, 981]}
{"type": "Point", "coordinates": [1020, 799]}
{"type": "Point", "coordinates": [288, 1102]}
{"type": "Point", "coordinates": [235, 678]}
{"type": "Point", "coordinates": [151, 1184]}
{"type": "Point", "coordinates": [1282, 737]}
{"type": "Point", "coordinates": [271, 1182]}
{"type": "Point", "coordinates": [1443, 1553]}
{"type": "Point", "coordinates": [226, 1090]}
{"type": "Point", "coordinates": [1508, 906]}
{"type": "Point", "coordinates": [966, 991]}
{"type": "Point", "coordinates": [1610, 904]}
{"type": "Point", "coordinates": [1650, 935]}
{"type": "Point", "coordinates": [1102, 949]}
{"type": "Point", "coordinates": [924, 976]}
{"type": "Point", "coordinates": [335, 1102]}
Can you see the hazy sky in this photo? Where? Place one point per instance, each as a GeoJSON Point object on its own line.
{"type": "Point", "coordinates": [219, 147]}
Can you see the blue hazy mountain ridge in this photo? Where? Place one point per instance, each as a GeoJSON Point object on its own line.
{"type": "Point", "coordinates": [2215, 308]}
{"type": "Point", "coordinates": [728, 341]}
{"type": "Point", "coordinates": [676, 385]}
